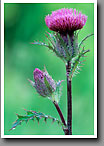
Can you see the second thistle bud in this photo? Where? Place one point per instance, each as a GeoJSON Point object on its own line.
{"type": "Point", "coordinates": [44, 84]}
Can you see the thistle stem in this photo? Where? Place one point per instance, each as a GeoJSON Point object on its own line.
{"type": "Point", "coordinates": [61, 116]}
{"type": "Point", "coordinates": [60, 113]}
{"type": "Point", "coordinates": [69, 99]}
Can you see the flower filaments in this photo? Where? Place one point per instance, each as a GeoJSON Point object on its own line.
{"type": "Point", "coordinates": [65, 20]}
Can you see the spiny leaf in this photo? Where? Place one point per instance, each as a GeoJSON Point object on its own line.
{"type": "Point", "coordinates": [53, 47]}
{"type": "Point", "coordinates": [32, 115]}
{"type": "Point", "coordinates": [43, 44]}
{"type": "Point", "coordinates": [52, 37]}
{"type": "Point", "coordinates": [53, 40]}
{"type": "Point", "coordinates": [50, 45]}
{"type": "Point", "coordinates": [76, 64]}
{"type": "Point", "coordinates": [40, 43]}
{"type": "Point", "coordinates": [84, 39]}
{"type": "Point", "coordinates": [58, 48]}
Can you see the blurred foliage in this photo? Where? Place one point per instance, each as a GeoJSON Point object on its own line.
{"type": "Point", "coordinates": [25, 23]}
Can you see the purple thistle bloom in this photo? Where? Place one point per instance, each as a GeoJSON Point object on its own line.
{"type": "Point", "coordinates": [44, 84]}
{"type": "Point", "coordinates": [65, 20]}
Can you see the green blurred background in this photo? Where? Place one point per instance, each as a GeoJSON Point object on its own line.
{"type": "Point", "coordinates": [25, 23]}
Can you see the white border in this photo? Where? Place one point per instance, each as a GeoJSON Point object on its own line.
{"type": "Point", "coordinates": [95, 69]}
{"type": "Point", "coordinates": [47, 1]}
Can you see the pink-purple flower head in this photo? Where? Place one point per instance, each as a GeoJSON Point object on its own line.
{"type": "Point", "coordinates": [44, 84]}
{"type": "Point", "coordinates": [65, 20]}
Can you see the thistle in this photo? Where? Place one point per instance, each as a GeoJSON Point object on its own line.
{"type": "Point", "coordinates": [65, 24]}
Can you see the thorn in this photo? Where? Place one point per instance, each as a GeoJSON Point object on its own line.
{"type": "Point", "coordinates": [82, 64]}
{"type": "Point", "coordinates": [47, 32]}
{"type": "Point", "coordinates": [84, 56]}
{"type": "Point", "coordinates": [11, 129]}
{"type": "Point", "coordinates": [27, 121]}
{"type": "Point", "coordinates": [45, 119]}
{"type": "Point", "coordinates": [53, 120]}
{"type": "Point", "coordinates": [46, 36]}
{"type": "Point", "coordinates": [37, 119]}
{"type": "Point", "coordinates": [14, 122]}
{"type": "Point", "coordinates": [59, 82]}
{"type": "Point", "coordinates": [29, 80]}
{"type": "Point", "coordinates": [82, 61]}
{"type": "Point", "coordinates": [31, 43]}
{"type": "Point", "coordinates": [33, 120]}
{"type": "Point", "coordinates": [45, 69]}
{"type": "Point", "coordinates": [32, 83]}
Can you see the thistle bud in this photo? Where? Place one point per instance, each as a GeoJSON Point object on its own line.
{"type": "Point", "coordinates": [44, 84]}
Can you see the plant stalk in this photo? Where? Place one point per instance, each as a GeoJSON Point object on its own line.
{"type": "Point", "coordinates": [69, 99]}
{"type": "Point", "coordinates": [61, 116]}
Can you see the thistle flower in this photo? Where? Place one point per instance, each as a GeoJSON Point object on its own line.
{"type": "Point", "coordinates": [44, 84]}
{"type": "Point", "coordinates": [65, 20]}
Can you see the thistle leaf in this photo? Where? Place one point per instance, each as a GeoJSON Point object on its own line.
{"type": "Point", "coordinates": [48, 46]}
{"type": "Point", "coordinates": [85, 39]}
{"type": "Point", "coordinates": [57, 94]}
{"type": "Point", "coordinates": [40, 43]}
{"type": "Point", "coordinates": [52, 36]}
{"type": "Point", "coordinates": [76, 63]}
{"type": "Point", "coordinates": [32, 115]}
{"type": "Point", "coordinates": [52, 40]}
